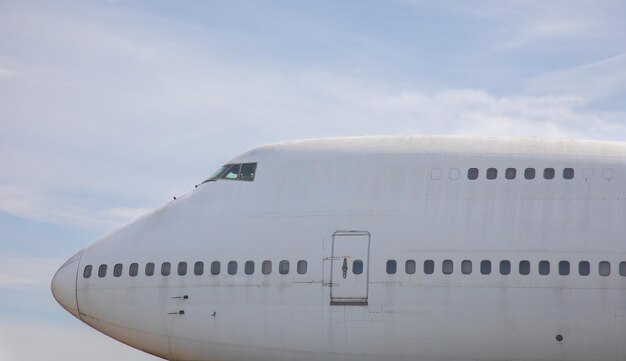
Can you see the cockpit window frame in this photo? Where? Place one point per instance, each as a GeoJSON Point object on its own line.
{"type": "Point", "coordinates": [225, 170]}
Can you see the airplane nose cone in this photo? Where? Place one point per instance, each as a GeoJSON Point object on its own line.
{"type": "Point", "coordinates": [64, 285]}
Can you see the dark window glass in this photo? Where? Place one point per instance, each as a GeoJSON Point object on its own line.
{"type": "Point", "coordinates": [510, 173]}
{"type": "Point", "coordinates": [529, 173]}
{"type": "Point", "coordinates": [149, 269]}
{"type": "Point", "coordinates": [266, 267]}
{"type": "Point", "coordinates": [283, 267]}
{"type": "Point", "coordinates": [391, 266]}
{"type": "Point", "coordinates": [215, 267]}
{"type": "Point", "coordinates": [544, 268]}
{"type": "Point", "coordinates": [233, 172]}
{"type": "Point", "coordinates": [301, 267]}
{"type": "Point", "coordinates": [492, 173]}
{"type": "Point", "coordinates": [409, 267]}
{"type": "Point", "coordinates": [117, 270]}
{"type": "Point", "coordinates": [102, 270]}
{"type": "Point", "coordinates": [564, 268]}
{"type": "Point", "coordinates": [133, 270]}
{"type": "Point", "coordinates": [622, 268]}
{"type": "Point", "coordinates": [232, 268]}
{"type": "Point", "coordinates": [87, 271]}
{"type": "Point", "coordinates": [247, 171]}
{"type": "Point", "coordinates": [165, 269]}
{"type": "Point", "coordinates": [568, 173]}
{"type": "Point", "coordinates": [182, 268]}
{"type": "Point", "coordinates": [248, 267]}
{"type": "Point", "coordinates": [485, 267]}
{"type": "Point", "coordinates": [524, 268]}
{"type": "Point", "coordinates": [466, 267]}
{"type": "Point", "coordinates": [548, 173]}
{"type": "Point", "coordinates": [584, 268]}
{"type": "Point", "coordinates": [429, 266]}
{"type": "Point", "coordinates": [472, 173]}
{"type": "Point", "coordinates": [198, 268]}
{"type": "Point", "coordinates": [505, 267]}
{"type": "Point", "coordinates": [604, 268]}
{"type": "Point", "coordinates": [357, 267]}
{"type": "Point", "coordinates": [447, 267]}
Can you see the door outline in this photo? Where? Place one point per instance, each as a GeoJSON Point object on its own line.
{"type": "Point", "coordinates": [335, 262]}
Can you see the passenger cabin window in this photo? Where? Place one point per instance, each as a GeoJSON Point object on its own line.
{"type": "Point", "coordinates": [492, 173]}
{"type": "Point", "coordinates": [149, 269]}
{"type": "Point", "coordinates": [524, 268]}
{"type": "Point", "coordinates": [357, 267]}
{"type": "Point", "coordinates": [529, 173]}
{"type": "Point", "coordinates": [568, 173]}
{"type": "Point", "coordinates": [198, 268]}
{"type": "Point", "coordinates": [248, 267]}
{"type": "Point", "coordinates": [266, 267]}
{"type": "Point", "coordinates": [133, 270]}
{"type": "Point", "coordinates": [548, 173]}
{"type": "Point", "coordinates": [182, 268]}
{"type": "Point", "coordinates": [604, 268]}
{"type": "Point", "coordinates": [622, 268]}
{"type": "Point", "coordinates": [165, 269]}
{"type": "Point", "coordinates": [215, 268]}
{"type": "Point", "coordinates": [505, 267]}
{"type": "Point", "coordinates": [232, 268]}
{"type": "Point", "coordinates": [102, 270]}
{"type": "Point", "coordinates": [87, 271]}
{"type": "Point", "coordinates": [544, 268]}
{"type": "Point", "coordinates": [584, 268]}
{"type": "Point", "coordinates": [447, 267]}
{"type": "Point", "coordinates": [485, 267]}
{"type": "Point", "coordinates": [117, 270]}
{"type": "Point", "coordinates": [301, 267]}
{"type": "Point", "coordinates": [409, 267]}
{"type": "Point", "coordinates": [510, 173]}
{"type": "Point", "coordinates": [472, 173]}
{"type": "Point", "coordinates": [391, 266]}
{"type": "Point", "coordinates": [564, 268]}
{"type": "Point", "coordinates": [429, 266]}
{"type": "Point", "coordinates": [466, 267]}
{"type": "Point", "coordinates": [283, 267]}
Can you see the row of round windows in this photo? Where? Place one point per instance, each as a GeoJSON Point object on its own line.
{"type": "Point", "coordinates": [524, 267]}
{"type": "Point", "coordinates": [511, 173]}
{"type": "Point", "coordinates": [198, 268]}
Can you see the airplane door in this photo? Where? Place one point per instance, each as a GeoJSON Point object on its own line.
{"type": "Point", "coordinates": [350, 268]}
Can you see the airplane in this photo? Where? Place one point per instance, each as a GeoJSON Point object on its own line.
{"type": "Point", "coordinates": [374, 248]}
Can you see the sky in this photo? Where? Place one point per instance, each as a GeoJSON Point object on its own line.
{"type": "Point", "coordinates": [110, 108]}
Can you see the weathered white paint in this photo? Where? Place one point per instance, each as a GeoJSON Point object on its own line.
{"type": "Point", "coordinates": [412, 197]}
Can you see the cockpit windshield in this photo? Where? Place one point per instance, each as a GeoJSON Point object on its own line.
{"type": "Point", "coordinates": [241, 171]}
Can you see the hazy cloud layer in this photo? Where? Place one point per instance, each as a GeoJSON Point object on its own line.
{"type": "Point", "coordinates": [107, 109]}
{"type": "Point", "coordinates": [21, 341]}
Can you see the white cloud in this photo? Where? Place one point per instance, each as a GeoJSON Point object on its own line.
{"type": "Point", "coordinates": [6, 73]}
{"type": "Point", "coordinates": [24, 271]}
{"type": "Point", "coordinates": [593, 81]}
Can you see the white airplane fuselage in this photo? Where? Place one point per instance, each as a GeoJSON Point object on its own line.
{"type": "Point", "coordinates": [501, 267]}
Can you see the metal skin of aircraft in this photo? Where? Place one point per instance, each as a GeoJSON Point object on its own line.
{"type": "Point", "coordinates": [374, 248]}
